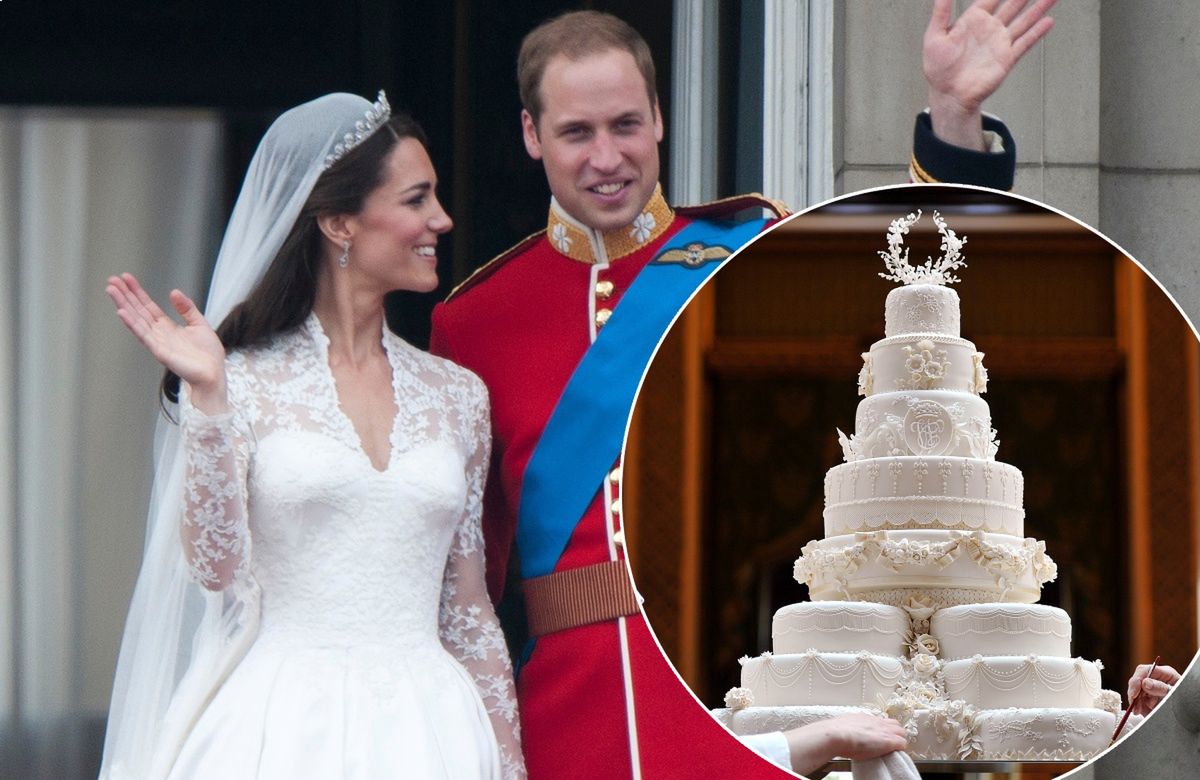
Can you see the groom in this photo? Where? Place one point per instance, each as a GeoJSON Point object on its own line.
{"type": "Point", "coordinates": [560, 328]}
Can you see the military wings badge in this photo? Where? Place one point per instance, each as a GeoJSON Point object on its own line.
{"type": "Point", "coordinates": [693, 255]}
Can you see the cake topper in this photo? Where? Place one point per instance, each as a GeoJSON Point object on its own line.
{"type": "Point", "coordinates": [931, 272]}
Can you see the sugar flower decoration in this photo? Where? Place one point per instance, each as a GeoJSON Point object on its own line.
{"type": "Point", "coordinates": [739, 698]}
{"type": "Point", "coordinates": [1109, 701]}
{"type": "Point", "coordinates": [925, 666]}
{"type": "Point", "coordinates": [925, 644]}
{"type": "Point", "coordinates": [932, 271]}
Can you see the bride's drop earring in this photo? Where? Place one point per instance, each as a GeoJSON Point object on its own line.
{"type": "Point", "coordinates": [344, 260]}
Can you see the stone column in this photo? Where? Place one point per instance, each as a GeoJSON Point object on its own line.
{"type": "Point", "coordinates": [1150, 108]}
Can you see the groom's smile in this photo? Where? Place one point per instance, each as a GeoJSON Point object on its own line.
{"type": "Point", "coordinates": [597, 137]}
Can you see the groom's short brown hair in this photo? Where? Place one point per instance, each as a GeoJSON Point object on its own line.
{"type": "Point", "coordinates": [576, 35]}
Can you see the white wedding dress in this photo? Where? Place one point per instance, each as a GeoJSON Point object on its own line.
{"type": "Point", "coordinates": [377, 654]}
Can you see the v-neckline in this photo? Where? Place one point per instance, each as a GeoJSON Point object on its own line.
{"type": "Point", "coordinates": [350, 432]}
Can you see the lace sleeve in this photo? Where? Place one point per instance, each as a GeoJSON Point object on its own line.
{"type": "Point", "coordinates": [467, 622]}
{"type": "Point", "coordinates": [214, 531]}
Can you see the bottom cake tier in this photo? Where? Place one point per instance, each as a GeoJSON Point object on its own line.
{"type": "Point", "coordinates": [955, 733]}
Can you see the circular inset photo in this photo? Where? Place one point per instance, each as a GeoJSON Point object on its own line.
{"type": "Point", "coordinates": [930, 453]}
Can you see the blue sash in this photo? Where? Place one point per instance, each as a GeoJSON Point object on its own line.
{"type": "Point", "coordinates": [583, 437]}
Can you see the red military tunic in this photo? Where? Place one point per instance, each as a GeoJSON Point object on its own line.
{"type": "Point", "coordinates": [601, 700]}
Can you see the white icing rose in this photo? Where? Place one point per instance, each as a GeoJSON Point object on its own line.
{"type": "Point", "coordinates": [902, 709]}
{"type": "Point", "coordinates": [925, 694]}
{"type": "Point", "coordinates": [1109, 701]}
{"type": "Point", "coordinates": [946, 720]}
{"type": "Point", "coordinates": [925, 666]}
{"type": "Point", "coordinates": [919, 609]}
{"type": "Point", "coordinates": [739, 698]}
{"type": "Point", "coordinates": [896, 708]}
{"type": "Point", "coordinates": [926, 644]}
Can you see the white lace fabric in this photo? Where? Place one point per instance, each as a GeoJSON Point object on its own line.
{"type": "Point", "coordinates": [385, 567]}
{"type": "Point", "coordinates": [215, 536]}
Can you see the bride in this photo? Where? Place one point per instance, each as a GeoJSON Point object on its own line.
{"type": "Point", "coordinates": [311, 601]}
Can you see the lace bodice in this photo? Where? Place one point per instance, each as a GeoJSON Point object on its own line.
{"type": "Point", "coordinates": [280, 493]}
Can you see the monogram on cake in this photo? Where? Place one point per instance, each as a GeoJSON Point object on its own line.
{"type": "Point", "coordinates": [924, 588]}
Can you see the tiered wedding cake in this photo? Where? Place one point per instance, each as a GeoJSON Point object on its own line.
{"type": "Point", "coordinates": [924, 586]}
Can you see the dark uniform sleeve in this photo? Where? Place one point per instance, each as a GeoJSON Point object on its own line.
{"type": "Point", "coordinates": [934, 160]}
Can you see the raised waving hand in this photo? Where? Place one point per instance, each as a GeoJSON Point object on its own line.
{"type": "Point", "coordinates": [191, 350]}
{"type": "Point", "coordinates": [967, 60]}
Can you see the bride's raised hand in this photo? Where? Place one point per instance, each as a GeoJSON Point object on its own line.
{"type": "Point", "coordinates": [192, 350]}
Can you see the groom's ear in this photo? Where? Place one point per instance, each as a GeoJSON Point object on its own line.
{"type": "Point", "coordinates": [533, 144]}
{"type": "Point", "coordinates": [335, 227]}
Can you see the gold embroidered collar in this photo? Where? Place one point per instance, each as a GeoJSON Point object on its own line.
{"type": "Point", "coordinates": [587, 245]}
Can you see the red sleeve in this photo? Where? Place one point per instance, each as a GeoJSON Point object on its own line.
{"type": "Point", "coordinates": [496, 534]}
{"type": "Point", "coordinates": [439, 338]}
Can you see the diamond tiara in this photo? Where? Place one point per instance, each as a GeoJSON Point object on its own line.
{"type": "Point", "coordinates": [379, 112]}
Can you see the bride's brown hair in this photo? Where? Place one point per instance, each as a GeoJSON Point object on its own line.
{"type": "Point", "coordinates": [284, 297]}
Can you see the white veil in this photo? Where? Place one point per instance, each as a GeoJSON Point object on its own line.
{"type": "Point", "coordinates": [181, 640]}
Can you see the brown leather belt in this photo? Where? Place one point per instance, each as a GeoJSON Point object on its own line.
{"type": "Point", "coordinates": [577, 597]}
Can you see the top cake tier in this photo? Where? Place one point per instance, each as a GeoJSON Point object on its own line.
{"type": "Point", "coordinates": [921, 308]}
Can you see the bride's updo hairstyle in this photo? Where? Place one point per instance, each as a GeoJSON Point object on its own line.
{"type": "Point", "coordinates": [284, 297]}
